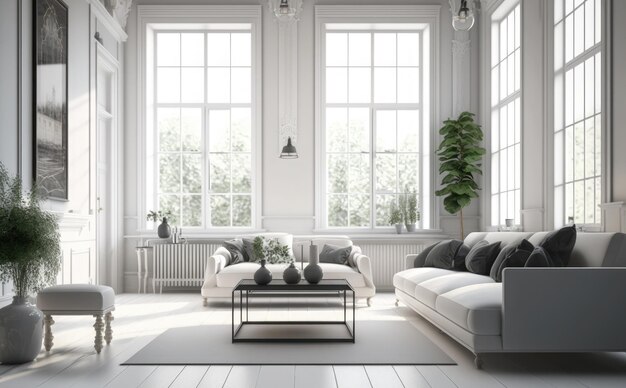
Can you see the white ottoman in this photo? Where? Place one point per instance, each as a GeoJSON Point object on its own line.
{"type": "Point", "coordinates": [78, 299]}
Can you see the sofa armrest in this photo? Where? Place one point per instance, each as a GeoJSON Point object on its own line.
{"type": "Point", "coordinates": [214, 265]}
{"type": "Point", "coordinates": [564, 309]}
{"type": "Point", "coordinates": [364, 266]}
{"type": "Point", "coordinates": [410, 261]}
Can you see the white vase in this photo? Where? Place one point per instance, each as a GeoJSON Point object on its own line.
{"type": "Point", "coordinates": [21, 332]}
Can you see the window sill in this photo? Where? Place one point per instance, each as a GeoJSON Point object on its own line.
{"type": "Point", "coordinates": [360, 235]}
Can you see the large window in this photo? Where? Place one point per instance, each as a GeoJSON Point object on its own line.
{"type": "Point", "coordinates": [505, 115]}
{"type": "Point", "coordinates": [374, 120]}
{"type": "Point", "coordinates": [578, 111]}
{"type": "Point", "coordinates": [203, 125]}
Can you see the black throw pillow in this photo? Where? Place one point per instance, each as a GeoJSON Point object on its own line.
{"type": "Point", "coordinates": [335, 254]}
{"type": "Point", "coordinates": [421, 258]}
{"type": "Point", "coordinates": [559, 245]}
{"type": "Point", "coordinates": [539, 258]}
{"type": "Point", "coordinates": [448, 254]}
{"type": "Point", "coordinates": [481, 257]}
{"type": "Point", "coordinates": [236, 250]}
{"type": "Point", "coordinates": [513, 255]}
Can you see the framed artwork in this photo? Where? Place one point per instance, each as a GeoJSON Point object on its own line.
{"type": "Point", "coordinates": [50, 152]}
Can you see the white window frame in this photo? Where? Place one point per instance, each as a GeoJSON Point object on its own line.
{"type": "Point", "coordinates": [605, 112]}
{"type": "Point", "coordinates": [495, 15]}
{"type": "Point", "coordinates": [151, 18]}
{"type": "Point", "coordinates": [422, 14]}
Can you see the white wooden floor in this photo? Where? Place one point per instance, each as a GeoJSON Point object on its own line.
{"type": "Point", "coordinates": [140, 318]}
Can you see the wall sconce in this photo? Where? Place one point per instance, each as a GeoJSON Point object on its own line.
{"type": "Point", "coordinates": [462, 15]}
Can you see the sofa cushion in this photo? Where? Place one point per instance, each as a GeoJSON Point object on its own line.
{"type": "Point", "coordinates": [407, 280]}
{"type": "Point", "coordinates": [335, 254]}
{"type": "Point", "coordinates": [481, 257]}
{"type": "Point", "coordinates": [231, 275]}
{"type": "Point", "coordinates": [428, 290]}
{"type": "Point", "coordinates": [513, 255]}
{"type": "Point", "coordinates": [559, 244]}
{"type": "Point", "coordinates": [476, 308]}
{"type": "Point", "coordinates": [448, 254]}
{"type": "Point", "coordinates": [76, 297]}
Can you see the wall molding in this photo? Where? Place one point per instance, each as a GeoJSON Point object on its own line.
{"type": "Point", "coordinates": [108, 20]}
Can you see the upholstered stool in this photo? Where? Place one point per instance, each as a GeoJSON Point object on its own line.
{"type": "Point", "coordinates": [78, 299]}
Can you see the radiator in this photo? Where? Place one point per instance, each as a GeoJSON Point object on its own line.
{"type": "Point", "coordinates": [180, 265]}
{"type": "Point", "coordinates": [388, 259]}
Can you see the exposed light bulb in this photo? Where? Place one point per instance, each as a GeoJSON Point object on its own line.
{"type": "Point", "coordinates": [464, 19]}
{"type": "Point", "coordinates": [283, 9]}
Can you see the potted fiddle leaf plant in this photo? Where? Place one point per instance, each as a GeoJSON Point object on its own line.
{"type": "Point", "coordinates": [30, 259]}
{"type": "Point", "coordinates": [460, 154]}
{"type": "Point", "coordinates": [395, 217]}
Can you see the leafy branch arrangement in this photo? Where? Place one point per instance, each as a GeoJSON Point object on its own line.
{"type": "Point", "coordinates": [395, 214]}
{"type": "Point", "coordinates": [460, 155]}
{"type": "Point", "coordinates": [156, 216]}
{"type": "Point", "coordinates": [270, 250]}
{"type": "Point", "coordinates": [30, 254]}
{"type": "Point", "coordinates": [408, 203]}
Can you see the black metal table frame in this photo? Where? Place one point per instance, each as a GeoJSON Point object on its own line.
{"type": "Point", "coordinates": [285, 294]}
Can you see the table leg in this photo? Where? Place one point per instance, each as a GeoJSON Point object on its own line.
{"type": "Point", "coordinates": [353, 316]}
{"type": "Point", "coordinates": [145, 275]}
{"type": "Point", "coordinates": [232, 311]}
{"type": "Point", "coordinates": [344, 306]}
{"type": "Point", "coordinates": [138, 270]}
{"type": "Point", "coordinates": [247, 305]}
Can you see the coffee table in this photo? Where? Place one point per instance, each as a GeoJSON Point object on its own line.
{"type": "Point", "coordinates": [248, 330]}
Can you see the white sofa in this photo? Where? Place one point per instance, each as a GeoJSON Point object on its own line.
{"type": "Point", "coordinates": [220, 277]}
{"type": "Point", "coordinates": [579, 308]}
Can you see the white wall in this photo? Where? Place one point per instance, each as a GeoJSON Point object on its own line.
{"type": "Point", "coordinates": [76, 222]}
{"type": "Point", "coordinates": [288, 185]}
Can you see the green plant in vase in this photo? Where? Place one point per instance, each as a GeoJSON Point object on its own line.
{"type": "Point", "coordinates": [395, 217]}
{"type": "Point", "coordinates": [460, 155]}
{"type": "Point", "coordinates": [30, 259]}
{"type": "Point", "coordinates": [410, 211]}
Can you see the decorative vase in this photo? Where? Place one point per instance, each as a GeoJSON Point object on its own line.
{"type": "Point", "coordinates": [164, 230]}
{"type": "Point", "coordinates": [262, 276]}
{"type": "Point", "coordinates": [291, 275]}
{"type": "Point", "coordinates": [21, 332]}
{"type": "Point", "coordinates": [398, 228]}
{"type": "Point", "coordinates": [313, 273]}
{"type": "Point", "coordinates": [410, 227]}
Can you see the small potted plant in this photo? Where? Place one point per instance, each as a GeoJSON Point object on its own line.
{"type": "Point", "coordinates": [395, 217]}
{"type": "Point", "coordinates": [30, 258]}
{"type": "Point", "coordinates": [410, 211]}
{"type": "Point", "coordinates": [164, 230]}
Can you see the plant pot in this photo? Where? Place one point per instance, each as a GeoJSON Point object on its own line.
{"type": "Point", "coordinates": [21, 332]}
{"type": "Point", "coordinates": [398, 228]}
{"type": "Point", "coordinates": [164, 230]}
{"type": "Point", "coordinates": [410, 227]}
{"type": "Point", "coordinates": [292, 275]}
{"type": "Point", "coordinates": [262, 276]}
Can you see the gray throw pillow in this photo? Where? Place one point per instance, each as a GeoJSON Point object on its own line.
{"type": "Point", "coordinates": [249, 250]}
{"type": "Point", "coordinates": [448, 254]}
{"type": "Point", "coordinates": [335, 254]}
{"type": "Point", "coordinates": [236, 250]}
{"type": "Point", "coordinates": [513, 255]}
{"type": "Point", "coordinates": [421, 258]}
{"type": "Point", "coordinates": [481, 257]}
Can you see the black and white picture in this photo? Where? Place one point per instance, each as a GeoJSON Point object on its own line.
{"type": "Point", "coordinates": [50, 54]}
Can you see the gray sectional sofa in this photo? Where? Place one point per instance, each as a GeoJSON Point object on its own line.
{"type": "Point", "coordinates": [579, 308]}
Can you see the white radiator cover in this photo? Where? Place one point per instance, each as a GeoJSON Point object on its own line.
{"type": "Point", "coordinates": [387, 260]}
{"type": "Point", "coordinates": [181, 265]}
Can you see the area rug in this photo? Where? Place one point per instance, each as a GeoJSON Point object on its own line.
{"type": "Point", "coordinates": [377, 343]}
